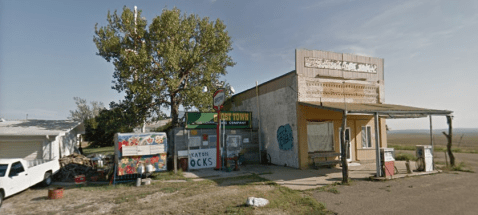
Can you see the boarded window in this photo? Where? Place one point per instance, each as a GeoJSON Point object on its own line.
{"type": "Point", "coordinates": [320, 136]}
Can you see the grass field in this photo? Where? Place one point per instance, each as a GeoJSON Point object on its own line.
{"type": "Point", "coordinates": [462, 142]}
{"type": "Point", "coordinates": [102, 150]}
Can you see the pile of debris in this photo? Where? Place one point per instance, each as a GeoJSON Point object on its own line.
{"type": "Point", "coordinates": [75, 165]}
{"type": "Point", "coordinates": [75, 159]}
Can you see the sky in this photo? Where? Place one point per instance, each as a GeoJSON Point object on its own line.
{"type": "Point", "coordinates": [47, 53]}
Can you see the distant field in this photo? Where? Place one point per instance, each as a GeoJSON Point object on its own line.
{"type": "Point", "coordinates": [464, 142]}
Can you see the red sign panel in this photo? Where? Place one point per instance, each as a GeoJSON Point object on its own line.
{"type": "Point", "coordinates": [218, 98]}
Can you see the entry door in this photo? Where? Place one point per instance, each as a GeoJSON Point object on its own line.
{"type": "Point", "coordinates": [19, 181]}
{"type": "Point", "coordinates": [347, 140]}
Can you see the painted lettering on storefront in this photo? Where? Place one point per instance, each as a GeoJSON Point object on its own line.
{"type": "Point", "coordinates": [313, 62]}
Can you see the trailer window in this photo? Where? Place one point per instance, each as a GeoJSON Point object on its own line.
{"type": "Point", "coordinates": [3, 169]}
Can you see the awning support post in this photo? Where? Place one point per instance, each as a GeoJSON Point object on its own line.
{"type": "Point", "coordinates": [345, 166]}
{"type": "Point", "coordinates": [377, 145]}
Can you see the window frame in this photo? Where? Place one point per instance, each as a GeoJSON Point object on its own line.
{"type": "Point", "coordinates": [368, 137]}
{"type": "Point", "coordinates": [15, 170]}
{"type": "Point", "coordinates": [5, 168]}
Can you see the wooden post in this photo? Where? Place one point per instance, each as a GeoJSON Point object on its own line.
{"type": "Point", "coordinates": [218, 138]}
{"type": "Point", "coordinates": [259, 118]}
{"type": "Point", "coordinates": [431, 141]}
{"type": "Point", "coordinates": [377, 146]}
{"type": "Point", "coordinates": [175, 155]}
{"type": "Point", "coordinates": [345, 166]}
{"type": "Point", "coordinates": [446, 160]}
{"type": "Point", "coordinates": [449, 137]}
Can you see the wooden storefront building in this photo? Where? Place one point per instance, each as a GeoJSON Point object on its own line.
{"type": "Point", "coordinates": [301, 113]}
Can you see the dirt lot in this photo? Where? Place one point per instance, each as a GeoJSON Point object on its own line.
{"type": "Point", "coordinates": [444, 193]}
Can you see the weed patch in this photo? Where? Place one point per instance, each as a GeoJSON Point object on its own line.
{"type": "Point", "coordinates": [132, 197]}
{"type": "Point", "coordinates": [436, 149]}
{"type": "Point", "coordinates": [101, 150]}
{"type": "Point", "coordinates": [461, 167]}
{"type": "Point", "coordinates": [169, 189]}
{"type": "Point", "coordinates": [102, 187]}
{"type": "Point", "coordinates": [333, 190]}
{"type": "Point", "coordinates": [286, 199]}
{"type": "Point", "coordinates": [405, 157]}
{"type": "Point", "coordinates": [163, 176]}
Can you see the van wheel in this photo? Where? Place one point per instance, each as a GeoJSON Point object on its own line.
{"type": "Point", "coordinates": [47, 179]}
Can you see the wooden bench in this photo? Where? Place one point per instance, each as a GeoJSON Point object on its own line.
{"type": "Point", "coordinates": [326, 155]}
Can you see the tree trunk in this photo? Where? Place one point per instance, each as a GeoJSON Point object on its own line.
{"type": "Point", "coordinates": [449, 137]}
{"type": "Point", "coordinates": [174, 112]}
{"type": "Point", "coordinates": [345, 167]}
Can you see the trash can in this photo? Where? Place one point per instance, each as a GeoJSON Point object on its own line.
{"type": "Point", "coordinates": [424, 158]}
{"type": "Point", "coordinates": [183, 162]}
{"type": "Point", "coordinates": [388, 161]}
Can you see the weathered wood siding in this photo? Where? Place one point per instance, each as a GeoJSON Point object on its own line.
{"type": "Point", "coordinates": [334, 83]}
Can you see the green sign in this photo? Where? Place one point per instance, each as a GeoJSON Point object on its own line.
{"type": "Point", "coordinates": [233, 120]}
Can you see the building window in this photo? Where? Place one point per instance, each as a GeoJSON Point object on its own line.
{"type": "Point", "coordinates": [366, 137]}
{"type": "Point", "coordinates": [320, 136]}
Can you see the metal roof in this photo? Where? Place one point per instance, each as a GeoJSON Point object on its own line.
{"type": "Point", "coordinates": [38, 127]}
{"type": "Point", "coordinates": [386, 110]}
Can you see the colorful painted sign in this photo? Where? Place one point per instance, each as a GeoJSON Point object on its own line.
{"type": "Point", "coordinates": [139, 153]}
{"type": "Point", "coordinates": [200, 158]}
{"type": "Point", "coordinates": [233, 120]}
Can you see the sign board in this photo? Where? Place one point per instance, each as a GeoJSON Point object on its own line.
{"type": "Point", "coordinates": [218, 98]}
{"type": "Point", "coordinates": [143, 150]}
{"type": "Point", "coordinates": [200, 158]}
{"type": "Point", "coordinates": [313, 62]}
{"type": "Point", "coordinates": [135, 152]}
{"type": "Point", "coordinates": [233, 120]}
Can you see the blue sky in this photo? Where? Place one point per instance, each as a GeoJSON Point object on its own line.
{"type": "Point", "coordinates": [47, 54]}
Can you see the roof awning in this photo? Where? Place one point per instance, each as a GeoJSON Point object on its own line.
{"type": "Point", "coordinates": [384, 110]}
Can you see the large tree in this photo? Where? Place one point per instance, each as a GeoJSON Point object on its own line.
{"type": "Point", "coordinates": [166, 63]}
{"type": "Point", "coordinates": [84, 111]}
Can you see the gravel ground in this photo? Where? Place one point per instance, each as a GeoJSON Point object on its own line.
{"type": "Point", "coordinates": [443, 193]}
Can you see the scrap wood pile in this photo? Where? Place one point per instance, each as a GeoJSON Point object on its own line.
{"type": "Point", "coordinates": [75, 165]}
{"type": "Point", "coordinates": [75, 159]}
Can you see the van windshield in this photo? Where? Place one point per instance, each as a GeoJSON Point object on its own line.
{"type": "Point", "coordinates": [3, 169]}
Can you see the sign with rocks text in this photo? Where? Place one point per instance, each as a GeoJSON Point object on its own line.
{"type": "Point", "coordinates": [201, 158]}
